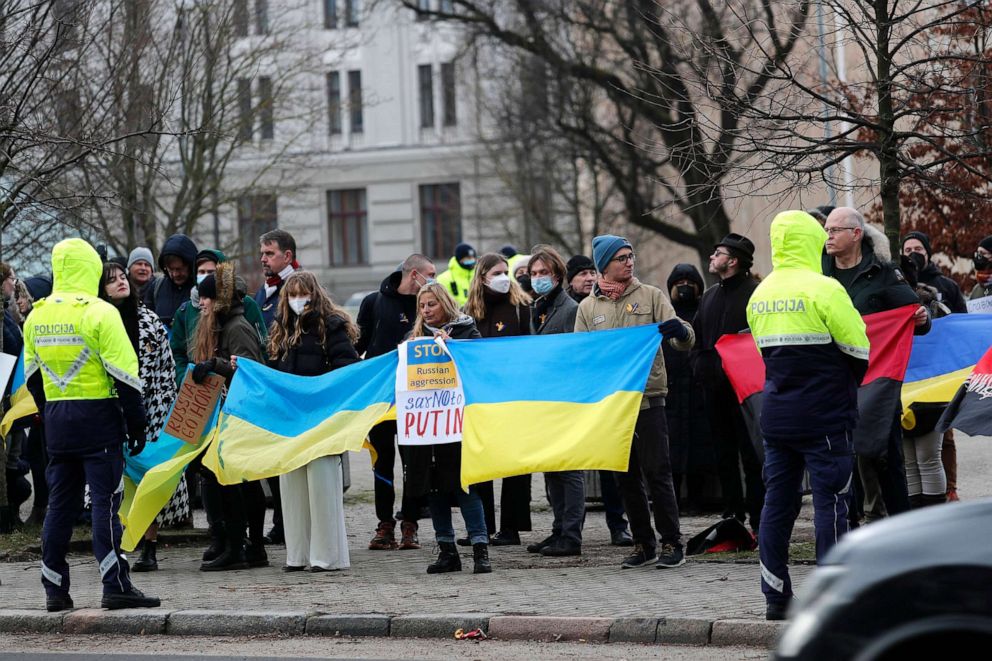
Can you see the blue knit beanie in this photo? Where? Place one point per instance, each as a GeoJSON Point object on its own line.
{"type": "Point", "coordinates": [605, 247]}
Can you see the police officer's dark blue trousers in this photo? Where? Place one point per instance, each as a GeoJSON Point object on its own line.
{"type": "Point", "coordinates": [67, 473]}
{"type": "Point", "coordinates": [830, 462]}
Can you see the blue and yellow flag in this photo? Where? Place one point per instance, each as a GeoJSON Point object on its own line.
{"type": "Point", "coordinates": [21, 402]}
{"type": "Point", "coordinates": [553, 402]}
{"type": "Point", "coordinates": [942, 359]}
{"type": "Point", "coordinates": [151, 478]}
{"type": "Point", "coordinates": [272, 422]}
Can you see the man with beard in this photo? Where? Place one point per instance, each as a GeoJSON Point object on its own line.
{"type": "Point", "coordinates": [723, 311]}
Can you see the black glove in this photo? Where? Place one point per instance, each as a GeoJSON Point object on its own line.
{"type": "Point", "coordinates": [201, 371]}
{"type": "Point", "coordinates": [673, 328]}
{"type": "Point", "coordinates": [135, 444]}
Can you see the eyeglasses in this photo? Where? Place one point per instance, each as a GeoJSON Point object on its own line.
{"type": "Point", "coordinates": [624, 259]}
{"type": "Point", "coordinates": [717, 253]}
{"type": "Point", "coordinates": [833, 231]}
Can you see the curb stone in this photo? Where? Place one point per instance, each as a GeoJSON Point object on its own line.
{"type": "Point", "coordinates": [349, 625]}
{"type": "Point", "coordinates": [634, 630]}
{"type": "Point", "coordinates": [124, 621]}
{"type": "Point", "coordinates": [649, 630]}
{"type": "Point", "coordinates": [684, 631]}
{"type": "Point", "coordinates": [750, 633]}
{"type": "Point", "coordinates": [522, 627]}
{"type": "Point", "coordinates": [437, 626]}
{"type": "Point", "coordinates": [234, 623]}
{"type": "Point", "coordinates": [30, 621]}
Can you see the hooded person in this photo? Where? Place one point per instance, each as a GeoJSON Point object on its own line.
{"type": "Point", "coordinates": [82, 372]}
{"type": "Point", "coordinates": [949, 294]}
{"type": "Point", "coordinates": [690, 442]}
{"type": "Point", "coordinates": [167, 292]}
{"type": "Point", "coordinates": [458, 278]}
{"type": "Point", "coordinates": [983, 270]}
{"type": "Point", "coordinates": [385, 318]}
{"type": "Point", "coordinates": [186, 317]}
{"type": "Point", "coordinates": [815, 350]}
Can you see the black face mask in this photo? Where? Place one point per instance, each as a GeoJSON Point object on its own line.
{"type": "Point", "coordinates": [982, 263]}
{"type": "Point", "coordinates": [685, 293]}
{"type": "Point", "coordinates": [918, 259]}
{"type": "Point", "coordinates": [524, 282]}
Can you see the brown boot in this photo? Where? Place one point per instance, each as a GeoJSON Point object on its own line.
{"type": "Point", "coordinates": [409, 540]}
{"type": "Point", "coordinates": [385, 537]}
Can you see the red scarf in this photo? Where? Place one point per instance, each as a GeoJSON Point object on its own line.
{"type": "Point", "coordinates": [613, 290]}
{"type": "Point", "coordinates": [274, 280]}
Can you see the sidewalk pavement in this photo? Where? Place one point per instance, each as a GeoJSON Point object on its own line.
{"type": "Point", "coordinates": [388, 592]}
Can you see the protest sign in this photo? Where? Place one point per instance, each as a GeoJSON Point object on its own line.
{"type": "Point", "coordinates": [430, 403]}
{"type": "Point", "coordinates": [194, 407]}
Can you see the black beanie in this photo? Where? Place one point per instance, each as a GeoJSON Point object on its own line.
{"type": "Point", "coordinates": [208, 288]}
{"type": "Point", "coordinates": [463, 250]}
{"type": "Point", "coordinates": [986, 243]}
{"type": "Point", "coordinates": [922, 238]}
{"type": "Point", "coordinates": [576, 264]}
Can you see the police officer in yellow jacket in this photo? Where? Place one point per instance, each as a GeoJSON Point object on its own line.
{"type": "Point", "coordinates": [815, 350]}
{"type": "Point", "coordinates": [83, 373]}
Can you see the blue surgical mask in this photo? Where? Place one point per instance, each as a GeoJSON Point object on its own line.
{"type": "Point", "coordinates": [200, 277]}
{"type": "Point", "coordinates": [468, 263]}
{"type": "Point", "coordinates": [542, 284]}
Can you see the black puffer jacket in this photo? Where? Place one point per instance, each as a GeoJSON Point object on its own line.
{"type": "Point", "coordinates": [950, 293]}
{"type": "Point", "coordinates": [439, 467]}
{"type": "Point", "coordinates": [385, 317]}
{"type": "Point", "coordinates": [316, 355]}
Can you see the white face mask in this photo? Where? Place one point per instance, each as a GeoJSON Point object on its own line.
{"type": "Point", "coordinates": [499, 283]}
{"type": "Point", "coordinates": [297, 305]}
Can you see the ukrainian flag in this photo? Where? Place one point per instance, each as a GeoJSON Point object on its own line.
{"type": "Point", "coordinates": [21, 402]}
{"type": "Point", "coordinates": [272, 422]}
{"type": "Point", "coordinates": [943, 359]}
{"type": "Point", "coordinates": [151, 478]}
{"type": "Point", "coordinates": [552, 402]}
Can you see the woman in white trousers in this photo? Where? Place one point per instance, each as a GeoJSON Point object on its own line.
{"type": "Point", "coordinates": [311, 336]}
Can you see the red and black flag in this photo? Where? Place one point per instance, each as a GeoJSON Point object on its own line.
{"type": "Point", "coordinates": [890, 334]}
{"type": "Point", "coordinates": [971, 409]}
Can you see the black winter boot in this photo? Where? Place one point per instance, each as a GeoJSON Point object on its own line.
{"type": "Point", "coordinates": [147, 561]}
{"type": "Point", "coordinates": [481, 554]}
{"type": "Point", "coordinates": [233, 556]}
{"type": "Point", "coordinates": [217, 542]}
{"type": "Point", "coordinates": [447, 559]}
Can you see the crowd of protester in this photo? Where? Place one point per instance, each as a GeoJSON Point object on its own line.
{"type": "Point", "coordinates": [692, 448]}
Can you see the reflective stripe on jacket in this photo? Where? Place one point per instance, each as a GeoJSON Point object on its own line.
{"type": "Point", "coordinates": [77, 340]}
{"type": "Point", "coordinates": [811, 337]}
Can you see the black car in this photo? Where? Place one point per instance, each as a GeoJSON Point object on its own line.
{"type": "Point", "coordinates": [917, 585]}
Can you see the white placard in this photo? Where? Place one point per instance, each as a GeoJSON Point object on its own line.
{"type": "Point", "coordinates": [980, 305]}
{"type": "Point", "coordinates": [430, 403]}
{"type": "Point", "coordinates": [7, 365]}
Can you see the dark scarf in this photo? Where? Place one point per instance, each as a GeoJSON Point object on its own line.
{"type": "Point", "coordinates": [543, 305]}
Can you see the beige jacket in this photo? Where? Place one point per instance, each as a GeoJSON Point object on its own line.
{"type": "Point", "coordinates": [640, 304]}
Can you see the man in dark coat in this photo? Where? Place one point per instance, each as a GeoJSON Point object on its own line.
{"type": "Point", "coordinates": [385, 318]}
{"type": "Point", "coordinates": [857, 256]}
{"type": "Point", "coordinates": [278, 256]}
{"type": "Point", "coordinates": [167, 292]}
{"type": "Point", "coordinates": [930, 274]}
{"type": "Point", "coordinates": [723, 311]}
{"type": "Point", "coordinates": [689, 438]}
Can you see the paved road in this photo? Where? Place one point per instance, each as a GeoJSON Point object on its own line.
{"type": "Point", "coordinates": [159, 648]}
